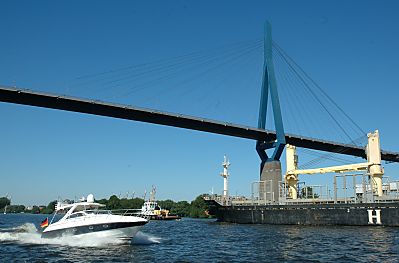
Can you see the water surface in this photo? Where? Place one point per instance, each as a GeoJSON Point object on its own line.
{"type": "Point", "coordinates": [195, 240]}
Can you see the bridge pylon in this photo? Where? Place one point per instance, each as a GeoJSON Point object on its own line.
{"type": "Point", "coordinates": [270, 167]}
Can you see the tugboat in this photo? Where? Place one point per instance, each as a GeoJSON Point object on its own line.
{"type": "Point", "coordinates": [86, 218]}
{"type": "Point", "coordinates": [153, 211]}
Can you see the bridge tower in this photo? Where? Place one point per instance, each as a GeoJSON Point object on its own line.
{"type": "Point", "coordinates": [270, 167]}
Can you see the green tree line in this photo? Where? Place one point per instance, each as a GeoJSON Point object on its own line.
{"type": "Point", "coordinates": [4, 201]}
{"type": "Point", "coordinates": [195, 209]}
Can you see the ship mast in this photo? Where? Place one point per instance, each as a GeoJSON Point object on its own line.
{"type": "Point", "coordinates": [152, 194]}
{"type": "Point", "coordinates": [225, 176]}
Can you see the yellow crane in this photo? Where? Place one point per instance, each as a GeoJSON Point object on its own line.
{"type": "Point", "coordinates": [372, 166]}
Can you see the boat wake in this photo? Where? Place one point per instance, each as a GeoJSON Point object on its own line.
{"type": "Point", "coordinates": [27, 234]}
{"type": "Point", "coordinates": [145, 239]}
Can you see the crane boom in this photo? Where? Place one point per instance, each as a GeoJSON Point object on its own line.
{"type": "Point", "coordinates": [334, 169]}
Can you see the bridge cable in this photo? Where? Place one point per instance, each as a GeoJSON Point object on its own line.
{"type": "Point", "coordinates": [329, 155]}
{"type": "Point", "coordinates": [223, 47]}
{"type": "Point", "coordinates": [229, 60]}
{"type": "Point", "coordinates": [315, 96]}
{"type": "Point", "coordinates": [294, 98]}
{"type": "Point", "coordinates": [147, 68]}
{"type": "Point", "coordinates": [143, 71]}
{"type": "Point", "coordinates": [173, 70]}
{"type": "Point", "coordinates": [279, 49]}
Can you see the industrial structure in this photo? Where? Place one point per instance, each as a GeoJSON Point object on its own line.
{"type": "Point", "coordinates": [372, 167]}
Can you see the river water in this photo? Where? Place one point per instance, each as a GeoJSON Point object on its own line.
{"type": "Point", "coordinates": [196, 240]}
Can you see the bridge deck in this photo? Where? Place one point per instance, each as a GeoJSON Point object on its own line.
{"type": "Point", "coordinates": [95, 107]}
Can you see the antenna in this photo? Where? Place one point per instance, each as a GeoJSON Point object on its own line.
{"type": "Point", "coordinates": [152, 194]}
{"type": "Point", "coordinates": [211, 191]}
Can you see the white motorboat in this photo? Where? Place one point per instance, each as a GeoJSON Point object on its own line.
{"type": "Point", "coordinates": [86, 218]}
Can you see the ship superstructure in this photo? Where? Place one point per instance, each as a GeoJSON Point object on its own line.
{"type": "Point", "coordinates": [361, 195]}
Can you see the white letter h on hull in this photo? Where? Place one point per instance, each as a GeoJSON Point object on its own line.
{"type": "Point", "coordinates": [377, 216]}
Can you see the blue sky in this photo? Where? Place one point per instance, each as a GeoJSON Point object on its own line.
{"type": "Point", "coordinates": [348, 47]}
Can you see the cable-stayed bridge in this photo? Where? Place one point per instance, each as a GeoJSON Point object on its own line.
{"type": "Point", "coordinates": [274, 58]}
{"type": "Point", "coordinates": [46, 100]}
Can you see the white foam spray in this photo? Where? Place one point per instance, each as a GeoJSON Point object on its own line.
{"type": "Point", "coordinates": [145, 239]}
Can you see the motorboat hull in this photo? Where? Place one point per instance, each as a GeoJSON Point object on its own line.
{"type": "Point", "coordinates": [120, 230]}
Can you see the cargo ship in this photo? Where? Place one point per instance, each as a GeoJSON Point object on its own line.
{"type": "Point", "coordinates": [356, 198]}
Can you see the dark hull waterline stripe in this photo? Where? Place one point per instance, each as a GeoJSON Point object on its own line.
{"type": "Point", "coordinates": [79, 230]}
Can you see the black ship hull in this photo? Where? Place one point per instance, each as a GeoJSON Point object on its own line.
{"type": "Point", "coordinates": [366, 214]}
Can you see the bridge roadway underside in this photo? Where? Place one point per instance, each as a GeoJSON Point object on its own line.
{"type": "Point", "coordinates": [39, 99]}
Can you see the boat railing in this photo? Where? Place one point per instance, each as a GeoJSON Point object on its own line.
{"type": "Point", "coordinates": [122, 212]}
{"type": "Point", "coordinates": [228, 200]}
{"type": "Point", "coordinates": [130, 212]}
{"type": "Point", "coordinates": [350, 188]}
{"type": "Point", "coordinates": [126, 212]}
